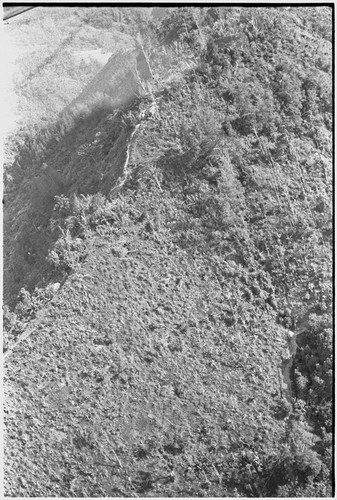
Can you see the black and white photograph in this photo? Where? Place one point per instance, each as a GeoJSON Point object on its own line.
{"type": "Point", "coordinates": [168, 250]}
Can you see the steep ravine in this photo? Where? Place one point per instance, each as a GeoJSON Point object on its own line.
{"type": "Point", "coordinates": [99, 131]}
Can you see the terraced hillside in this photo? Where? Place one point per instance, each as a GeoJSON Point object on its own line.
{"type": "Point", "coordinates": [167, 269]}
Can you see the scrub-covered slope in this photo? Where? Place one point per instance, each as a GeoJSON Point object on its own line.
{"type": "Point", "coordinates": [133, 382]}
{"type": "Point", "coordinates": [179, 243]}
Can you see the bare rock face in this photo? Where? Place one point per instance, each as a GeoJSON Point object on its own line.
{"type": "Point", "coordinates": [119, 79]}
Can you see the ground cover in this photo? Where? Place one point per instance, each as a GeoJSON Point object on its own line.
{"type": "Point", "coordinates": [155, 365]}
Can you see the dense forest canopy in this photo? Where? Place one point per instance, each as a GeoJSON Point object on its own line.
{"type": "Point", "coordinates": [215, 249]}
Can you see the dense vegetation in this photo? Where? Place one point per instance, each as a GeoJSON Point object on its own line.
{"type": "Point", "coordinates": [189, 276]}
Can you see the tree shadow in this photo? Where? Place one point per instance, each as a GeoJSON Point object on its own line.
{"type": "Point", "coordinates": [83, 153]}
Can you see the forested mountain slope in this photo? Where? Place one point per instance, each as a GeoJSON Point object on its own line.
{"type": "Point", "coordinates": [166, 254]}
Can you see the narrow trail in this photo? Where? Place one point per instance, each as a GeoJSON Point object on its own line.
{"type": "Point", "coordinates": [125, 169]}
{"type": "Point", "coordinates": [23, 336]}
{"type": "Point", "coordinates": [151, 111]}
